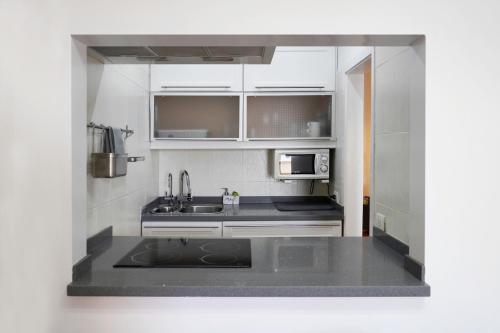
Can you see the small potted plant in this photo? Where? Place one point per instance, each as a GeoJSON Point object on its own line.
{"type": "Point", "coordinates": [236, 198]}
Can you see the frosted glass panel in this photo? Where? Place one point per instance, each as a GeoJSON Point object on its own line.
{"type": "Point", "coordinates": [197, 117]}
{"type": "Point", "coordinates": [274, 117]}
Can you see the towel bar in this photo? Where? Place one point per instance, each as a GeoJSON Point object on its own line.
{"type": "Point", "coordinates": [128, 132]}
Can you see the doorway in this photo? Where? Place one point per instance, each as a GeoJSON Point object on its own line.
{"type": "Point", "coordinates": [367, 144]}
{"type": "Point", "coordinates": [359, 147]}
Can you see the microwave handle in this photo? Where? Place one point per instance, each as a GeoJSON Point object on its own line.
{"type": "Point", "coordinates": [317, 161]}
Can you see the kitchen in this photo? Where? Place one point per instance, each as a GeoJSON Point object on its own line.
{"type": "Point", "coordinates": [267, 144]}
{"type": "Point", "coordinates": [47, 216]}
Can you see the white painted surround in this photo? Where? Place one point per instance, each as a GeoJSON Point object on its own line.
{"type": "Point", "coordinates": [462, 176]}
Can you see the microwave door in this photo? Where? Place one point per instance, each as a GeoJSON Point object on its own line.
{"type": "Point", "coordinates": [303, 164]}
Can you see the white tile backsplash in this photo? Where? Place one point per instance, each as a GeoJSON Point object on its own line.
{"type": "Point", "coordinates": [255, 188]}
{"type": "Point", "coordinates": [226, 166]}
{"type": "Point", "coordinates": [257, 165]}
{"type": "Point", "coordinates": [245, 171]}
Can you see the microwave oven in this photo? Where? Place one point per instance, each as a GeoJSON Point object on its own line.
{"type": "Point", "coordinates": [295, 164]}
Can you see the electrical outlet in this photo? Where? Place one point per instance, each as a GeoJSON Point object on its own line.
{"type": "Point", "coordinates": [380, 221]}
{"type": "Point", "coordinates": [336, 196]}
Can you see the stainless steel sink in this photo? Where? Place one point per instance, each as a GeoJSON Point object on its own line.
{"type": "Point", "coordinates": [163, 209]}
{"type": "Point", "coordinates": [188, 209]}
{"type": "Point", "coordinates": [201, 209]}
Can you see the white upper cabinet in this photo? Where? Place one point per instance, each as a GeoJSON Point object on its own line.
{"type": "Point", "coordinates": [294, 69]}
{"type": "Point", "coordinates": [196, 78]}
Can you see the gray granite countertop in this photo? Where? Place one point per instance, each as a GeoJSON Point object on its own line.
{"type": "Point", "coordinates": [252, 209]}
{"type": "Point", "coordinates": [311, 267]}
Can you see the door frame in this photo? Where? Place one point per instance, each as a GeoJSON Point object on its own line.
{"type": "Point", "coordinates": [353, 183]}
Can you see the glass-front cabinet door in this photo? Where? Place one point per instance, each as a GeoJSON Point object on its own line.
{"type": "Point", "coordinates": [282, 116]}
{"type": "Point", "coordinates": [197, 116]}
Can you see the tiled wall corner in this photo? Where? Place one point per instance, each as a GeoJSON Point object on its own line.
{"type": "Point", "coordinates": [118, 96]}
{"type": "Point", "coordinates": [393, 100]}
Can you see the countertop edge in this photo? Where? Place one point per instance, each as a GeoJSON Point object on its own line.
{"type": "Point", "coordinates": [251, 291]}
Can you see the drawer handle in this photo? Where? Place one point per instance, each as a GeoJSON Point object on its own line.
{"type": "Point", "coordinates": [187, 227]}
{"type": "Point", "coordinates": [180, 231]}
{"type": "Point", "coordinates": [282, 225]}
{"type": "Point", "coordinates": [188, 86]}
{"type": "Point", "coordinates": [290, 87]}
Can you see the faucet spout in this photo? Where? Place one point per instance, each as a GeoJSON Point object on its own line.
{"type": "Point", "coordinates": [188, 197]}
{"type": "Point", "coordinates": [169, 195]}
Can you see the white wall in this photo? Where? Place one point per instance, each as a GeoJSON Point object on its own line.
{"type": "Point", "coordinates": [249, 172]}
{"type": "Point", "coordinates": [118, 95]}
{"type": "Point", "coordinates": [399, 139]}
{"type": "Point", "coordinates": [462, 166]}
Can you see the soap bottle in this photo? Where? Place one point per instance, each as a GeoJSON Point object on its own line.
{"type": "Point", "coordinates": [227, 199]}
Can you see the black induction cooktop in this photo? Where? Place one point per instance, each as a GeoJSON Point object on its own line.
{"type": "Point", "coordinates": [189, 253]}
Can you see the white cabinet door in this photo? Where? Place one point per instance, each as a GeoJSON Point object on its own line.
{"type": "Point", "coordinates": [245, 229]}
{"type": "Point", "coordinates": [294, 69]}
{"type": "Point", "coordinates": [182, 229]}
{"type": "Point", "coordinates": [289, 115]}
{"type": "Point", "coordinates": [196, 116]}
{"type": "Point", "coordinates": [196, 77]}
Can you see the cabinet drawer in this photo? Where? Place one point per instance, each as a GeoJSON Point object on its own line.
{"type": "Point", "coordinates": [196, 77]}
{"type": "Point", "coordinates": [294, 69]}
{"type": "Point", "coordinates": [283, 229]}
{"type": "Point", "coordinates": [182, 229]}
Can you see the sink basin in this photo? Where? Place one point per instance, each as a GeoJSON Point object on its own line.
{"type": "Point", "coordinates": [188, 209]}
{"type": "Point", "coordinates": [164, 209]}
{"type": "Point", "coordinates": [201, 209]}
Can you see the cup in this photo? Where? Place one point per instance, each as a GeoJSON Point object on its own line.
{"type": "Point", "coordinates": [313, 128]}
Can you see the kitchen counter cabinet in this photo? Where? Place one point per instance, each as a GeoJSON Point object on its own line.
{"type": "Point", "coordinates": [245, 220]}
{"type": "Point", "coordinates": [246, 229]}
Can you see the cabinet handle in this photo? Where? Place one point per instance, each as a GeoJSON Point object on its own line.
{"type": "Point", "coordinates": [188, 86]}
{"type": "Point", "coordinates": [290, 87]}
{"type": "Point", "coordinates": [183, 227]}
{"type": "Point", "coordinates": [281, 225]}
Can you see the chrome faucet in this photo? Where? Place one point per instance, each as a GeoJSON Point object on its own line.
{"type": "Point", "coordinates": [169, 197]}
{"type": "Point", "coordinates": [188, 197]}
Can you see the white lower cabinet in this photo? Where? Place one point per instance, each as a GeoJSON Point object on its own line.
{"type": "Point", "coordinates": [198, 229]}
{"type": "Point", "coordinates": [245, 229]}
{"type": "Point", "coordinates": [242, 229]}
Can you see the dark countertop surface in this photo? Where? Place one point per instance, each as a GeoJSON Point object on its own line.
{"type": "Point", "coordinates": [290, 267]}
{"type": "Point", "coordinates": [253, 209]}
